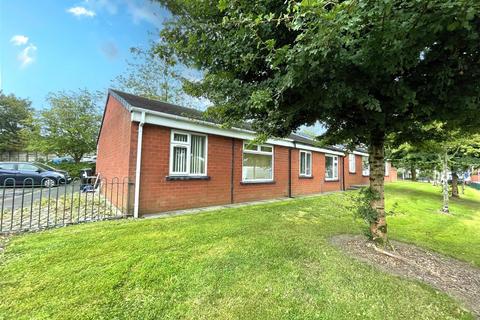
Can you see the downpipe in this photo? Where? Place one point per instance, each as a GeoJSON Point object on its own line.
{"type": "Point", "coordinates": [138, 167]}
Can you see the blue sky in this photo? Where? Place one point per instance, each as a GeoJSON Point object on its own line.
{"type": "Point", "coordinates": [51, 45]}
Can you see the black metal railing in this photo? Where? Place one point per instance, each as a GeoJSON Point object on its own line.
{"type": "Point", "coordinates": [28, 206]}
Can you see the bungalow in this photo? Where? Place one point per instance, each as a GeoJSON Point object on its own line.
{"type": "Point", "coordinates": [179, 160]}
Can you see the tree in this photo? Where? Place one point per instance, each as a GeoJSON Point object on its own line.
{"type": "Point", "coordinates": [443, 150]}
{"type": "Point", "coordinates": [411, 157]}
{"type": "Point", "coordinates": [70, 126]}
{"type": "Point", "coordinates": [364, 69]}
{"type": "Point", "coordinates": [152, 73]}
{"type": "Point", "coordinates": [15, 115]}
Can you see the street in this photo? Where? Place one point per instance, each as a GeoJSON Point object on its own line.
{"type": "Point", "coordinates": [14, 198]}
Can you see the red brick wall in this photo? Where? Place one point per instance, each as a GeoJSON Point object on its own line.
{"type": "Point", "coordinates": [392, 175]}
{"type": "Point", "coordinates": [157, 194]}
{"type": "Point", "coordinates": [113, 154]}
{"type": "Point", "coordinates": [353, 179]}
{"type": "Point", "coordinates": [113, 148]}
{"type": "Point", "coordinates": [304, 185]}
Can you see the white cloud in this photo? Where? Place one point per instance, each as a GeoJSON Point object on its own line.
{"type": "Point", "coordinates": [81, 11]}
{"type": "Point", "coordinates": [27, 55]}
{"type": "Point", "coordinates": [19, 40]}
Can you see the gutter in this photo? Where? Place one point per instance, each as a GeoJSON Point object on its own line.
{"type": "Point", "coordinates": [234, 132]}
{"type": "Point", "coordinates": [138, 166]}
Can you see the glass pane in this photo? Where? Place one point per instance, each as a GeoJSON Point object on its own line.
{"type": "Point", "coordinates": [179, 137]}
{"type": "Point", "coordinates": [179, 159]}
{"type": "Point", "coordinates": [266, 149]}
{"type": "Point", "coordinates": [7, 166]}
{"type": "Point", "coordinates": [197, 160]}
{"type": "Point", "coordinates": [351, 162]}
{"type": "Point", "coordinates": [365, 166]}
{"type": "Point", "coordinates": [257, 167]}
{"type": "Point", "coordinates": [329, 167]}
{"type": "Point", "coordinates": [26, 167]}
{"type": "Point", "coordinates": [302, 163]}
{"type": "Point", "coordinates": [308, 164]}
{"type": "Point", "coordinates": [253, 147]}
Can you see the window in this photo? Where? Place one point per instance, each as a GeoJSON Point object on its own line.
{"type": "Point", "coordinates": [27, 167]}
{"type": "Point", "coordinates": [7, 166]}
{"type": "Point", "coordinates": [188, 154]}
{"type": "Point", "coordinates": [305, 163]}
{"type": "Point", "coordinates": [365, 166]}
{"type": "Point", "coordinates": [351, 163]}
{"type": "Point", "coordinates": [387, 169]}
{"type": "Point", "coordinates": [331, 167]}
{"type": "Point", "coordinates": [257, 163]}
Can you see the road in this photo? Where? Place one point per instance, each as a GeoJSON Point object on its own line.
{"type": "Point", "coordinates": [12, 198]}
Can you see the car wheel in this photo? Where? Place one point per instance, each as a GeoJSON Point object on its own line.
{"type": "Point", "coordinates": [48, 183]}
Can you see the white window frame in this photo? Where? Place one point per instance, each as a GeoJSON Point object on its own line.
{"type": "Point", "coordinates": [352, 160]}
{"type": "Point", "coordinates": [365, 173]}
{"type": "Point", "coordinates": [335, 173]}
{"type": "Point", "coordinates": [259, 151]}
{"type": "Point", "coordinates": [387, 168]}
{"type": "Point", "coordinates": [187, 145]}
{"type": "Point", "coordinates": [300, 163]}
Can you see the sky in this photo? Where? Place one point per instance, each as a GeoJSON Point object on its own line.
{"type": "Point", "coordinates": [52, 45]}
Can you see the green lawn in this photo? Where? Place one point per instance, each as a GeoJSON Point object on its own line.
{"type": "Point", "coordinates": [260, 262]}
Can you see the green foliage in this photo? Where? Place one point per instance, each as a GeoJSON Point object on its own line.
{"type": "Point", "coordinates": [269, 261]}
{"type": "Point", "coordinates": [15, 117]}
{"type": "Point", "coordinates": [70, 126]}
{"type": "Point", "coordinates": [73, 168]}
{"type": "Point", "coordinates": [363, 68]}
{"type": "Point", "coordinates": [359, 203]}
{"type": "Point", "coordinates": [154, 74]}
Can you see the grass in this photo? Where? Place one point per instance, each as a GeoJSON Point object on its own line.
{"type": "Point", "coordinates": [269, 261]}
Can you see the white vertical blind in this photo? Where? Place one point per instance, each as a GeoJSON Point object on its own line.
{"type": "Point", "coordinates": [188, 154]}
{"type": "Point", "coordinates": [351, 163]}
{"type": "Point", "coordinates": [197, 162]}
{"type": "Point", "coordinates": [179, 159]}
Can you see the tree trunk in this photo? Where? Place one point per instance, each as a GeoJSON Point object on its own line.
{"type": "Point", "coordinates": [445, 183]}
{"type": "Point", "coordinates": [463, 185]}
{"type": "Point", "coordinates": [413, 171]}
{"type": "Point", "coordinates": [455, 185]}
{"type": "Point", "coordinates": [378, 228]}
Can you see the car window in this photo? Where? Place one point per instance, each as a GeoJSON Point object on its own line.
{"type": "Point", "coordinates": [7, 166]}
{"type": "Point", "coordinates": [27, 167]}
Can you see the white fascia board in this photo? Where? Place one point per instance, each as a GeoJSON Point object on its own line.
{"type": "Point", "coordinates": [317, 149]}
{"type": "Point", "coordinates": [360, 153]}
{"type": "Point", "coordinates": [183, 123]}
{"type": "Point", "coordinates": [200, 126]}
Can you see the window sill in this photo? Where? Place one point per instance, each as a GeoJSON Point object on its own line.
{"type": "Point", "coordinates": [184, 178]}
{"type": "Point", "coordinates": [332, 180]}
{"type": "Point", "coordinates": [257, 182]}
{"type": "Point", "coordinates": [349, 172]}
{"type": "Point", "coordinates": [305, 177]}
{"type": "Point", "coordinates": [365, 175]}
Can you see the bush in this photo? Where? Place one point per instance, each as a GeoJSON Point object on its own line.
{"type": "Point", "coordinates": [73, 168]}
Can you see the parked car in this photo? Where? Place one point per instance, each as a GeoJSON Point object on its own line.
{"type": "Point", "coordinates": [59, 160]}
{"type": "Point", "coordinates": [31, 172]}
{"type": "Point", "coordinates": [89, 159]}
